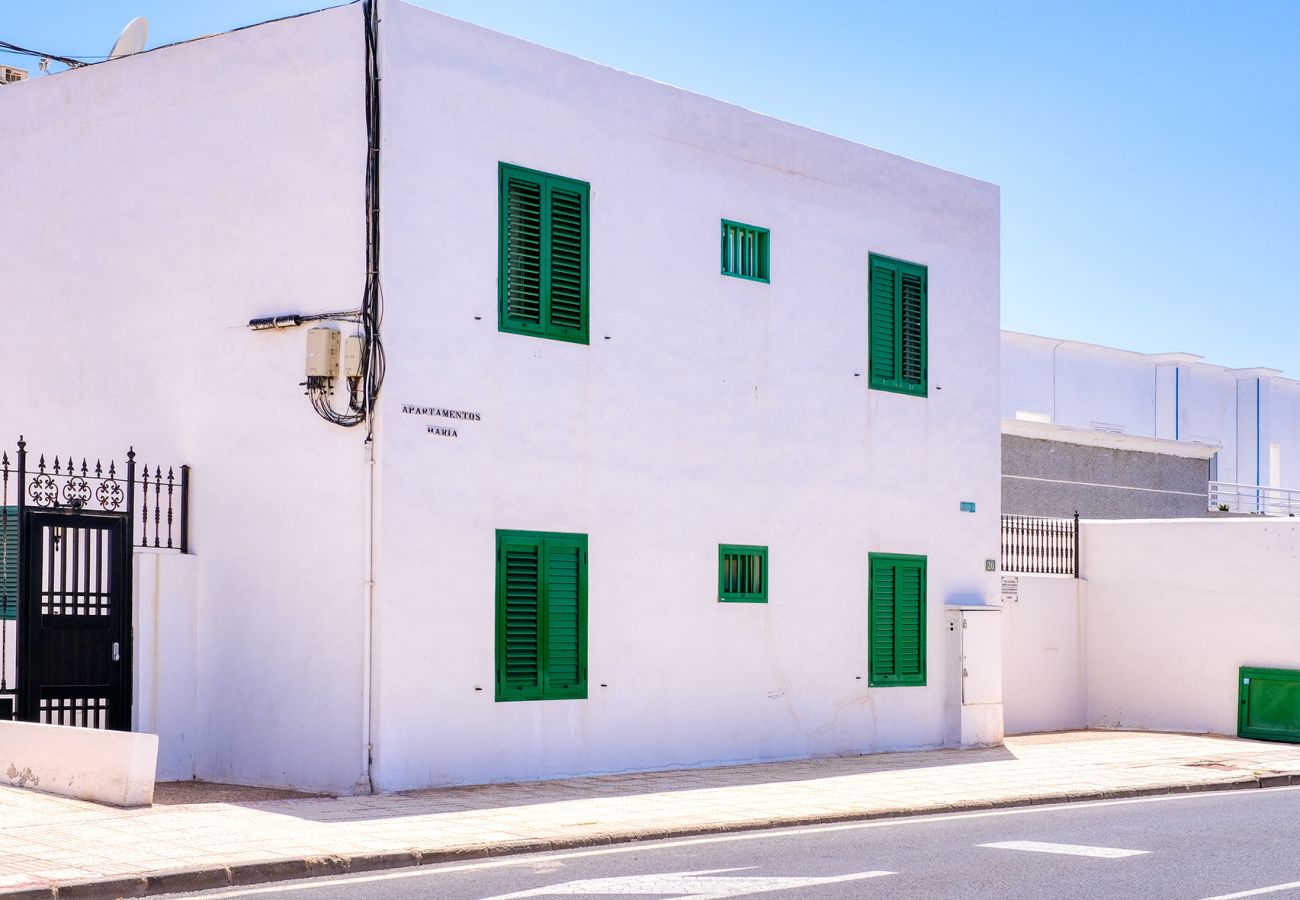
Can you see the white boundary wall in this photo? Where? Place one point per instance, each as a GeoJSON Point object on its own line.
{"type": "Point", "coordinates": [1174, 607]}
{"type": "Point", "coordinates": [1042, 656]}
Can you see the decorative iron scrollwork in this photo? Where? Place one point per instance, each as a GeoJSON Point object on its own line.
{"type": "Point", "coordinates": [43, 491]}
{"type": "Point", "coordinates": [109, 494]}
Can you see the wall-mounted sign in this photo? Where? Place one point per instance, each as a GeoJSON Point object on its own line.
{"type": "Point", "coordinates": [968, 506]}
{"type": "Point", "coordinates": [1010, 587]}
{"type": "Point", "coordinates": [453, 418]}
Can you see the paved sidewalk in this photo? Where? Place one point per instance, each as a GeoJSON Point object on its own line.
{"type": "Point", "coordinates": [241, 836]}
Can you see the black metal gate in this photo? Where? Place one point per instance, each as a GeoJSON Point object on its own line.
{"type": "Point", "coordinates": [68, 534]}
{"type": "Point", "coordinates": [74, 619]}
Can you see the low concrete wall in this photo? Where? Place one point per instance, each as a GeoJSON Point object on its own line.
{"type": "Point", "coordinates": [1042, 658]}
{"type": "Point", "coordinates": [113, 767]}
{"type": "Point", "coordinates": [1175, 607]}
{"type": "Point", "coordinates": [166, 659]}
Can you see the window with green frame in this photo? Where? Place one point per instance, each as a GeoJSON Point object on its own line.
{"type": "Point", "coordinates": [742, 573]}
{"type": "Point", "coordinates": [896, 619]}
{"type": "Point", "coordinates": [541, 616]}
{"type": "Point", "coordinates": [745, 251]}
{"type": "Point", "coordinates": [543, 255]}
{"type": "Point", "coordinates": [897, 313]}
{"type": "Point", "coordinates": [8, 563]}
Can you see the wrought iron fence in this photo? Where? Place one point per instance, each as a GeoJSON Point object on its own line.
{"type": "Point", "coordinates": [156, 502]}
{"type": "Point", "coordinates": [1036, 545]}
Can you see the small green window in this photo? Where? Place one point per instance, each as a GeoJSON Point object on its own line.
{"type": "Point", "coordinates": [896, 619]}
{"type": "Point", "coordinates": [745, 251]}
{"type": "Point", "coordinates": [541, 616]}
{"type": "Point", "coordinates": [543, 255]}
{"type": "Point", "coordinates": [8, 563]}
{"type": "Point", "coordinates": [742, 573]}
{"type": "Point", "coordinates": [897, 311]}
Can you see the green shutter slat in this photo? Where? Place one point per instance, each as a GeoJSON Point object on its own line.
{"type": "Point", "coordinates": [563, 615]}
{"type": "Point", "coordinates": [523, 250]}
{"type": "Point", "coordinates": [568, 280]}
{"type": "Point", "coordinates": [896, 620]}
{"type": "Point", "coordinates": [881, 349]}
{"type": "Point", "coordinates": [8, 562]}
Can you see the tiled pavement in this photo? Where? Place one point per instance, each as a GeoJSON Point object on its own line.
{"type": "Point", "coordinates": [218, 835]}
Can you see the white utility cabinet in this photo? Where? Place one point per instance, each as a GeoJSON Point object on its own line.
{"type": "Point", "coordinates": [974, 689]}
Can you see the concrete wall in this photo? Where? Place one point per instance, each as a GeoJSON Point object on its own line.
{"type": "Point", "coordinates": [1042, 654]}
{"type": "Point", "coordinates": [165, 199]}
{"type": "Point", "coordinates": [706, 410]}
{"type": "Point", "coordinates": [1174, 608]}
{"type": "Point", "coordinates": [1053, 478]}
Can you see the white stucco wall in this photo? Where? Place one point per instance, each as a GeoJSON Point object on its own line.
{"type": "Point", "coordinates": [160, 201]}
{"type": "Point", "coordinates": [706, 410]}
{"type": "Point", "coordinates": [1174, 396]}
{"type": "Point", "coordinates": [1043, 654]}
{"type": "Point", "coordinates": [1175, 607]}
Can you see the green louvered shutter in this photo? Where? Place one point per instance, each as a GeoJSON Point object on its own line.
{"type": "Point", "coordinates": [544, 255]}
{"type": "Point", "coordinates": [541, 615]}
{"type": "Point", "coordinates": [897, 620]}
{"type": "Point", "coordinates": [568, 282]}
{"type": "Point", "coordinates": [564, 652]}
{"type": "Point", "coordinates": [521, 250]}
{"type": "Point", "coordinates": [8, 562]}
{"type": "Point", "coordinates": [883, 324]}
{"type": "Point", "coordinates": [897, 313]}
{"type": "Point", "coordinates": [519, 617]}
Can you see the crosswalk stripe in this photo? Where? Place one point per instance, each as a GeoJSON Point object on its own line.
{"type": "Point", "coordinates": [1067, 849]}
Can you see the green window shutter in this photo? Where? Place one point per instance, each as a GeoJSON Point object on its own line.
{"type": "Point", "coordinates": [8, 563]}
{"type": "Point", "coordinates": [897, 313]}
{"type": "Point", "coordinates": [543, 277]}
{"type": "Point", "coordinates": [742, 573]}
{"type": "Point", "coordinates": [541, 616]}
{"type": "Point", "coordinates": [896, 641]}
{"type": "Point", "coordinates": [565, 634]}
{"type": "Point", "coordinates": [745, 251]}
{"type": "Point", "coordinates": [519, 616]}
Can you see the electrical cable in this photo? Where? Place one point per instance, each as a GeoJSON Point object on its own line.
{"type": "Point", "coordinates": [69, 61]}
{"type": "Point", "coordinates": [363, 389]}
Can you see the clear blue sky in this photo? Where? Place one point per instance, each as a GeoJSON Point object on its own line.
{"type": "Point", "coordinates": [1148, 153]}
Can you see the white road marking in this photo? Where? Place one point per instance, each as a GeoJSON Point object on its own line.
{"type": "Point", "coordinates": [702, 885]}
{"type": "Point", "coordinates": [672, 843]}
{"type": "Point", "coordinates": [1067, 849]}
{"type": "Point", "coordinates": [1289, 886]}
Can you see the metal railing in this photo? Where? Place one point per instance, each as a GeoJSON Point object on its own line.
{"type": "Point", "coordinates": [1254, 499]}
{"type": "Point", "coordinates": [1036, 545]}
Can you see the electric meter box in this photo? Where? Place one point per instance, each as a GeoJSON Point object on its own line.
{"type": "Point", "coordinates": [322, 353]}
{"type": "Point", "coordinates": [353, 352]}
{"type": "Point", "coordinates": [973, 652]}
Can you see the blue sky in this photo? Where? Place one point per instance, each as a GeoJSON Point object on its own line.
{"type": "Point", "coordinates": [1148, 153]}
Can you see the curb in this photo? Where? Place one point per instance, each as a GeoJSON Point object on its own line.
{"type": "Point", "coordinates": [244, 874]}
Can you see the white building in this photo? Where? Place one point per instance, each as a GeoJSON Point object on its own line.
{"type": "Point", "coordinates": [667, 438]}
{"type": "Point", "coordinates": [1236, 429]}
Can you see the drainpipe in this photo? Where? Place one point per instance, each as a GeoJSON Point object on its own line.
{"type": "Point", "coordinates": [1055, 419]}
{"type": "Point", "coordinates": [368, 612]}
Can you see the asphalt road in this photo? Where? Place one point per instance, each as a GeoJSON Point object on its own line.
{"type": "Point", "coordinates": [1234, 844]}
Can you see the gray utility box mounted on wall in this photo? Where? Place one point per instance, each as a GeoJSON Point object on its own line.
{"type": "Point", "coordinates": [974, 684]}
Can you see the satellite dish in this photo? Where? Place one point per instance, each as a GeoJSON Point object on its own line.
{"type": "Point", "coordinates": [131, 40]}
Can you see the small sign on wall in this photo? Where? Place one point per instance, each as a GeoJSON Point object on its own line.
{"type": "Point", "coordinates": [1010, 587]}
{"type": "Point", "coordinates": [446, 422]}
{"type": "Point", "coordinates": [968, 506]}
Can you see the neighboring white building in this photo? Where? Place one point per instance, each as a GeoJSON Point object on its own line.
{"type": "Point", "coordinates": [1244, 422]}
{"type": "Point", "coordinates": [688, 435]}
